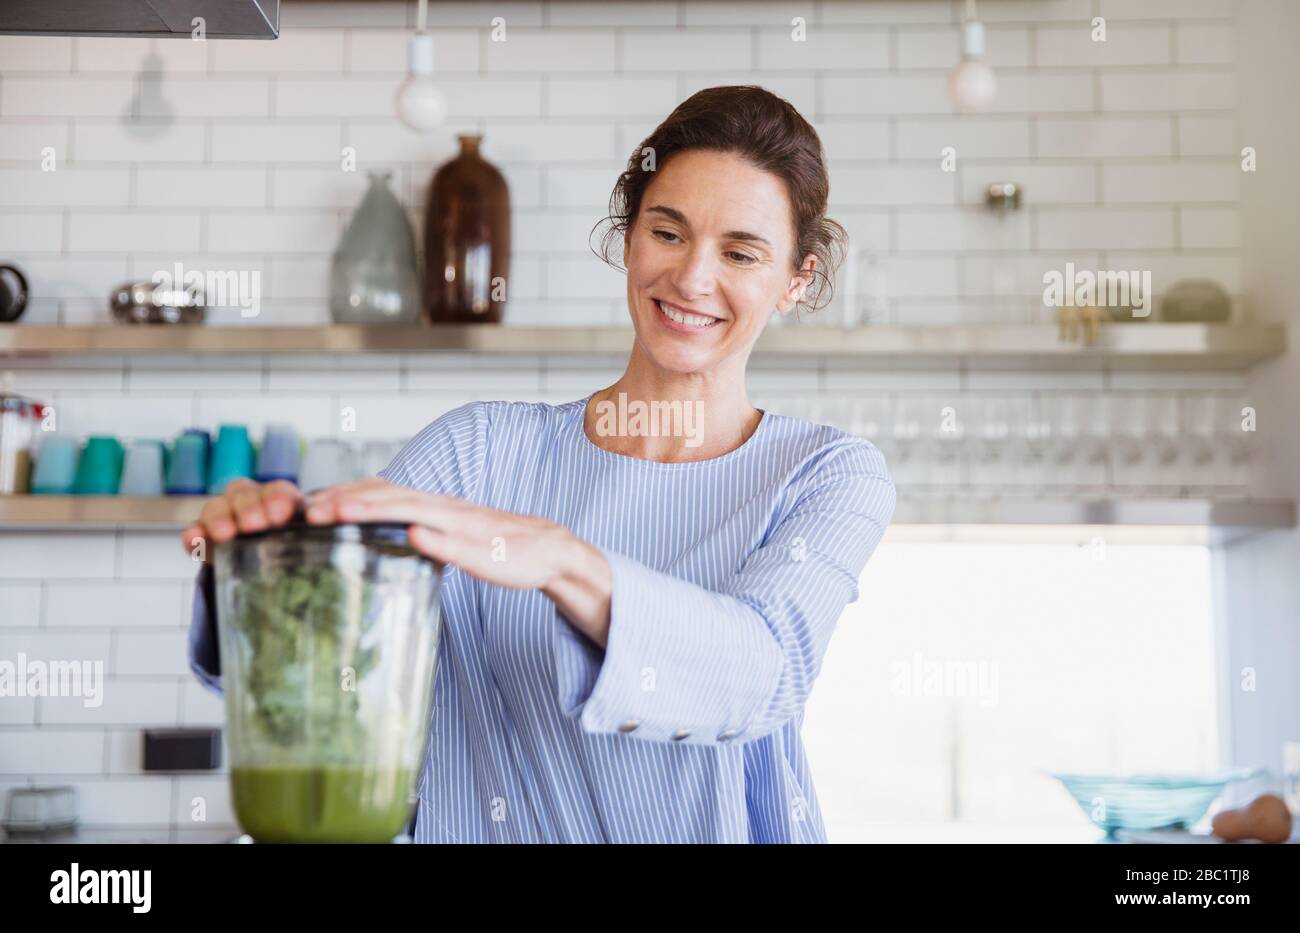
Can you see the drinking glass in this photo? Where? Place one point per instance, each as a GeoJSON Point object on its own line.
{"type": "Point", "coordinates": [328, 463]}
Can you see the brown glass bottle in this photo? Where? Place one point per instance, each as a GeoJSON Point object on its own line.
{"type": "Point", "coordinates": [467, 239]}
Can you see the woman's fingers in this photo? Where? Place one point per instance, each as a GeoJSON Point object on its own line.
{"type": "Point", "coordinates": [259, 506]}
{"type": "Point", "coordinates": [216, 519]}
{"type": "Point", "coordinates": [279, 499]}
{"type": "Point", "coordinates": [324, 505]}
{"type": "Point", "coordinates": [398, 504]}
{"type": "Point", "coordinates": [192, 535]}
{"type": "Point", "coordinates": [321, 503]}
{"type": "Point", "coordinates": [247, 505]}
{"type": "Point", "coordinates": [330, 492]}
{"type": "Point", "coordinates": [374, 491]}
{"type": "Point", "coordinates": [244, 506]}
{"type": "Point", "coordinates": [433, 543]}
{"type": "Point", "coordinates": [215, 523]}
{"type": "Point", "coordinates": [449, 530]}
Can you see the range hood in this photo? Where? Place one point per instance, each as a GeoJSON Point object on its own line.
{"type": "Point", "coordinates": [160, 19]}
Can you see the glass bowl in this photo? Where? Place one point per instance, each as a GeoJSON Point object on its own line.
{"type": "Point", "coordinates": [1147, 801]}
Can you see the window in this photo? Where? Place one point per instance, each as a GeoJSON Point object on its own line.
{"type": "Point", "coordinates": [966, 671]}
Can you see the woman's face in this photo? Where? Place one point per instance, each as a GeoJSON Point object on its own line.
{"type": "Point", "coordinates": [708, 257]}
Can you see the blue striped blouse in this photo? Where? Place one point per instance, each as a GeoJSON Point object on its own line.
{"type": "Point", "coordinates": [729, 575]}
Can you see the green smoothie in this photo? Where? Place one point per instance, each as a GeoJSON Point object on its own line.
{"type": "Point", "coordinates": [326, 804]}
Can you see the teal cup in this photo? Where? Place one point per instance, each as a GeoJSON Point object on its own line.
{"type": "Point", "coordinates": [56, 466]}
{"type": "Point", "coordinates": [207, 443]}
{"type": "Point", "coordinates": [187, 474]}
{"type": "Point", "coordinates": [232, 458]}
{"type": "Point", "coordinates": [99, 471]}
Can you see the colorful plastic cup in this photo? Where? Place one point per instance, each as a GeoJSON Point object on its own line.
{"type": "Point", "coordinates": [99, 471]}
{"type": "Point", "coordinates": [166, 456]}
{"type": "Point", "coordinates": [187, 474]}
{"type": "Point", "coordinates": [278, 458]}
{"type": "Point", "coordinates": [56, 466]}
{"type": "Point", "coordinates": [232, 458]}
{"type": "Point", "coordinates": [207, 447]}
{"type": "Point", "coordinates": [142, 474]}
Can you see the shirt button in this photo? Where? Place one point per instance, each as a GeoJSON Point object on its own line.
{"type": "Point", "coordinates": [630, 725]}
{"type": "Point", "coordinates": [681, 734]}
{"type": "Point", "coordinates": [728, 734]}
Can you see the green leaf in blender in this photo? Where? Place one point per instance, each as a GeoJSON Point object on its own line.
{"type": "Point", "coordinates": [302, 628]}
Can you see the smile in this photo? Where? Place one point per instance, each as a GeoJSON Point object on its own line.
{"type": "Point", "coordinates": [685, 318]}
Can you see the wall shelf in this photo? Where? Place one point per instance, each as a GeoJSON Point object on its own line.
{"type": "Point", "coordinates": [174, 512]}
{"type": "Point", "coordinates": [163, 512]}
{"type": "Point", "coordinates": [1246, 513]}
{"type": "Point", "coordinates": [989, 346]}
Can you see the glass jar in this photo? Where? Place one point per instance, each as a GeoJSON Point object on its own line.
{"type": "Point", "coordinates": [329, 646]}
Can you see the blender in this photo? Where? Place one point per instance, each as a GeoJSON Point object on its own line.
{"type": "Point", "coordinates": [329, 645]}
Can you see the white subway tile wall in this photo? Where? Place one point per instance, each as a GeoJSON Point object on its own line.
{"type": "Point", "coordinates": [119, 157]}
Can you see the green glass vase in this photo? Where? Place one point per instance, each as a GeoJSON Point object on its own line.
{"type": "Point", "coordinates": [373, 276]}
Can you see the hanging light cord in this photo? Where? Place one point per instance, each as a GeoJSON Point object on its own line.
{"type": "Point", "coordinates": [421, 15]}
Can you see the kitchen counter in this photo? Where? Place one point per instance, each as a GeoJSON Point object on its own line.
{"type": "Point", "coordinates": [123, 836]}
{"type": "Point", "coordinates": [930, 833]}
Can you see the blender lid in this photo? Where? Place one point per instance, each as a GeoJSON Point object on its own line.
{"type": "Point", "coordinates": [392, 533]}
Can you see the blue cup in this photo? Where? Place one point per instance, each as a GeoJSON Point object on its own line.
{"type": "Point", "coordinates": [232, 458]}
{"type": "Point", "coordinates": [56, 466]}
{"type": "Point", "coordinates": [207, 447]}
{"type": "Point", "coordinates": [187, 474]}
{"type": "Point", "coordinates": [278, 458]}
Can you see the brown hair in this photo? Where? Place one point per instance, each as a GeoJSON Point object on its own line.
{"type": "Point", "coordinates": [769, 133]}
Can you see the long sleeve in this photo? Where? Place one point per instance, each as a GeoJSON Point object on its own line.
{"type": "Point", "coordinates": [446, 457]}
{"type": "Point", "coordinates": [204, 656]}
{"type": "Point", "coordinates": [689, 664]}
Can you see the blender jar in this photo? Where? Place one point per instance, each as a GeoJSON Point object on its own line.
{"type": "Point", "coordinates": [329, 646]}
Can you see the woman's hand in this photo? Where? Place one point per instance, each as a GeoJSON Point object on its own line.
{"type": "Point", "coordinates": [244, 506]}
{"type": "Point", "coordinates": [516, 551]}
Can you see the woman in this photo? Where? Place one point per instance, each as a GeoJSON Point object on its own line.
{"type": "Point", "coordinates": [634, 618]}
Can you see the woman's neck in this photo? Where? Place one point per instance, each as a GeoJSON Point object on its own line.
{"type": "Point", "coordinates": [653, 414]}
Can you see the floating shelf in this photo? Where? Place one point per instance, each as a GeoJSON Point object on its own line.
{"type": "Point", "coordinates": [989, 346]}
{"type": "Point", "coordinates": [1210, 513]}
{"type": "Point", "coordinates": [174, 512]}
{"type": "Point", "coordinates": [103, 511]}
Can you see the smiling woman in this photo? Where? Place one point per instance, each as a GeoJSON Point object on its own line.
{"type": "Point", "coordinates": [634, 618]}
{"type": "Point", "coordinates": [781, 187]}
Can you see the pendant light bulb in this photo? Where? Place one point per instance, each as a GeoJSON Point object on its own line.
{"type": "Point", "coordinates": [420, 104]}
{"type": "Point", "coordinates": [972, 84]}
